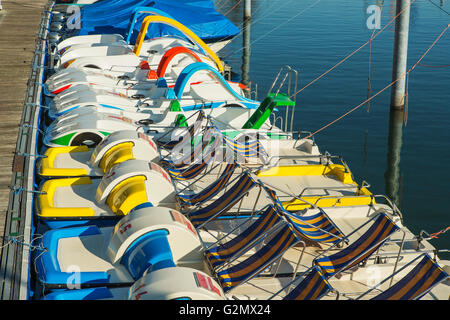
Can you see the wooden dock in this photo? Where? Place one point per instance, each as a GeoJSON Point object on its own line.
{"type": "Point", "coordinates": [19, 24]}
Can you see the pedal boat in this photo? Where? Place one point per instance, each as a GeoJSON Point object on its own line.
{"type": "Point", "coordinates": [171, 283]}
{"type": "Point", "coordinates": [143, 77]}
{"type": "Point", "coordinates": [95, 162]}
{"type": "Point", "coordinates": [82, 200]}
{"type": "Point", "coordinates": [187, 91]}
{"type": "Point", "coordinates": [235, 116]}
{"type": "Point", "coordinates": [146, 240]}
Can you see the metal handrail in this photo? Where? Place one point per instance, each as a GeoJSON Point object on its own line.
{"type": "Point", "coordinates": [338, 198]}
{"type": "Point", "coordinates": [288, 75]}
{"type": "Point", "coordinates": [330, 188]}
{"type": "Point", "coordinates": [392, 204]}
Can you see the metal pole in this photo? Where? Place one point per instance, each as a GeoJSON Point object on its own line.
{"type": "Point", "coordinates": [245, 68]}
{"type": "Point", "coordinates": [246, 52]}
{"type": "Point", "coordinates": [400, 54]}
{"type": "Point", "coordinates": [247, 9]}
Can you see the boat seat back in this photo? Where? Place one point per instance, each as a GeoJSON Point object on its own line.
{"type": "Point", "coordinates": [119, 153]}
{"type": "Point", "coordinates": [133, 182]}
{"type": "Point", "coordinates": [185, 244]}
{"type": "Point", "coordinates": [178, 283]}
{"type": "Point", "coordinates": [127, 195]}
{"type": "Point", "coordinates": [123, 145]}
{"type": "Point", "coordinates": [151, 250]}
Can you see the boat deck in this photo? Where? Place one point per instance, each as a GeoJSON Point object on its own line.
{"type": "Point", "coordinates": [347, 218]}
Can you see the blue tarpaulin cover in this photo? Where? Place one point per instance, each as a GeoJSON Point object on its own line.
{"type": "Point", "coordinates": [110, 17]}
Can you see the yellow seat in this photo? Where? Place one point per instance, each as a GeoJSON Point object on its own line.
{"type": "Point", "coordinates": [124, 196]}
{"type": "Point", "coordinates": [127, 195]}
{"type": "Point", "coordinates": [117, 154]}
{"type": "Point", "coordinates": [46, 166]}
{"type": "Point", "coordinates": [45, 204]}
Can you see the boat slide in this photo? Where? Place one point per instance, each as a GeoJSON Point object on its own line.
{"type": "Point", "coordinates": [188, 93]}
{"type": "Point", "coordinates": [93, 248]}
{"type": "Point", "coordinates": [235, 111]}
{"type": "Point", "coordinates": [113, 255]}
{"type": "Point", "coordinates": [105, 57]}
{"type": "Point", "coordinates": [169, 66]}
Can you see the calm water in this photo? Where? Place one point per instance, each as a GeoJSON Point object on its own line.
{"type": "Point", "coordinates": [313, 35]}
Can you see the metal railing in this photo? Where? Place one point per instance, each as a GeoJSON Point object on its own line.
{"type": "Point", "coordinates": [291, 75]}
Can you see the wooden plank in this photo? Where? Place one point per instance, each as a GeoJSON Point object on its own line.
{"type": "Point", "coordinates": [19, 24]}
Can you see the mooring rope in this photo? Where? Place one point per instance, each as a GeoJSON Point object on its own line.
{"type": "Point", "coordinates": [273, 29]}
{"type": "Point", "coordinates": [15, 240]}
{"type": "Point", "coordinates": [429, 66]}
{"type": "Point", "coordinates": [439, 7]}
{"type": "Point", "coordinates": [382, 90]}
{"type": "Point", "coordinates": [436, 234]}
{"type": "Point", "coordinates": [355, 51]}
{"type": "Point", "coordinates": [232, 8]}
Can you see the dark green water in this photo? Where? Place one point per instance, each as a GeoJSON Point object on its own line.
{"type": "Point", "coordinates": [313, 35]}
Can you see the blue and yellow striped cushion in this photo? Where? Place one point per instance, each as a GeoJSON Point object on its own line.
{"type": "Point", "coordinates": [416, 283]}
{"type": "Point", "coordinates": [187, 173]}
{"type": "Point", "coordinates": [223, 203]}
{"type": "Point", "coordinates": [361, 249]}
{"type": "Point", "coordinates": [312, 287]}
{"type": "Point", "coordinates": [253, 265]}
{"type": "Point", "coordinates": [317, 227]}
{"type": "Point", "coordinates": [212, 189]}
{"type": "Point", "coordinates": [219, 254]}
{"type": "Point", "coordinates": [312, 227]}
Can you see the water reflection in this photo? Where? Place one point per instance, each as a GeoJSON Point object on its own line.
{"type": "Point", "coordinates": [392, 175]}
